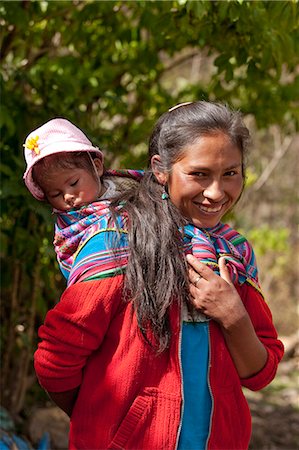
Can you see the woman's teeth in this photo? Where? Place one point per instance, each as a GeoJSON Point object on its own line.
{"type": "Point", "coordinates": [210, 209]}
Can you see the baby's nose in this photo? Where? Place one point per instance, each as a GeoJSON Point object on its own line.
{"type": "Point", "coordinates": [69, 199]}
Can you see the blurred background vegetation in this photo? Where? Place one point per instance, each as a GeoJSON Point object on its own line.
{"type": "Point", "coordinates": [113, 67]}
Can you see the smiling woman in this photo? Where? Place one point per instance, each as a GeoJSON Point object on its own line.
{"type": "Point", "coordinates": [162, 350]}
{"type": "Point", "coordinates": [196, 174]}
{"type": "Point", "coordinates": [206, 181]}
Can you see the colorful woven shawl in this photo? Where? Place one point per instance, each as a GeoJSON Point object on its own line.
{"type": "Point", "coordinates": [210, 243]}
{"type": "Point", "coordinates": [74, 228]}
{"type": "Point", "coordinates": [107, 252]}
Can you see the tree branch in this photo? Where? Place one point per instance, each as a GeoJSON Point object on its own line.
{"type": "Point", "coordinates": [280, 149]}
{"type": "Point", "coordinates": [180, 61]}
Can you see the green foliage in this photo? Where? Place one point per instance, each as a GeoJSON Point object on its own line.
{"type": "Point", "coordinates": [266, 239]}
{"type": "Point", "coordinates": [112, 67]}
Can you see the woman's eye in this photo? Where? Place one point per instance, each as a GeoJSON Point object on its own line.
{"type": "Point", "coordinates": [230, 173]}
{"type": "Point", "coordinates": [199, 174]}
{"type": "Point", "coordinates": [74, 183]}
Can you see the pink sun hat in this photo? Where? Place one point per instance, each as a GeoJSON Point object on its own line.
{"type": "Point", "coordinates": [56, 136]}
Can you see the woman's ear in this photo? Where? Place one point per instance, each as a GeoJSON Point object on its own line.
{"type": "Point", "coordinates": [99, 166]}
{"type": "Point", "coordinates": [162, 176]}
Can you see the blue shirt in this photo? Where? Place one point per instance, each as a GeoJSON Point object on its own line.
{"type": "Point", "coordinates": [197, 398]}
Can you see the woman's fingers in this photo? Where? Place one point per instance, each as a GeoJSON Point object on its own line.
{"type": "Point", "coordinates": [224, 272]}
{"type": "Point", "coordinates": [198, 269]}
{"type": "Point", "coordinates": [194, 277]}
{"type": "Point", "coordinates": [212, 294]}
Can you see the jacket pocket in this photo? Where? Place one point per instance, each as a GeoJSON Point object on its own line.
{"type": "Point", "coordinates": [134, 420]}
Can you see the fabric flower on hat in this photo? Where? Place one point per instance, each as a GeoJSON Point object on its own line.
{"type": "Point", "coordinates": [32, 144]}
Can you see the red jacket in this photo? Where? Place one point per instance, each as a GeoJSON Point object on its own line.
{"type": "Point", "coordinates": [131, 398]}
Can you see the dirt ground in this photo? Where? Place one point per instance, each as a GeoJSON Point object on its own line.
{"type": "Point", "coordinates": [275, 411]}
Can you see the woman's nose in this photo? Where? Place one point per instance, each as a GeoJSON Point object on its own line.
{"type": "Point", "coordinates": [214, 191]}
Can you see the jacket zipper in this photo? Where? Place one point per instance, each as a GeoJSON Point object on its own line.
{"type": "Point", "coordinates": [182, 388]}
{"type": "Point", "coordinates": [210, 389]}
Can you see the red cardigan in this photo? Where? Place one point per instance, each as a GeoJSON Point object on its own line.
{"type": "Point", "coordinates": [131, 398]}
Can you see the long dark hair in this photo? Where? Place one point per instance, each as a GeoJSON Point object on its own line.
{"type": "Point", "coordinates": [156, 275]}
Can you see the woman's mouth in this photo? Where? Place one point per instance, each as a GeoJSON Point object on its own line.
{"type": "Point", "coordinates": [209, 209]}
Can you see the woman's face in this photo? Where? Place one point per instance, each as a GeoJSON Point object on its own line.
{"type": "Point", "coordinates": [207, 180]}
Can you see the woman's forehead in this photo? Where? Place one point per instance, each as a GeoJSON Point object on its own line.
{"type": "Point", "coordinates": [211, 148]}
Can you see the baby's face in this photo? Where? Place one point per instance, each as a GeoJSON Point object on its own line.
{"type": "Point", "coordinates": [66, 189]}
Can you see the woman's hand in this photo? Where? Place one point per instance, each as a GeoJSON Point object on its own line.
{"type": "Point", "coordinates": [215, 295]}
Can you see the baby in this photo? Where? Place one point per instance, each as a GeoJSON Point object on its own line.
{"type": "Point", "coordinates": [65, 169]}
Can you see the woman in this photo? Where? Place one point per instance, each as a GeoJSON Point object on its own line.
{"type": "Point", "coordinates": [137, 361]}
